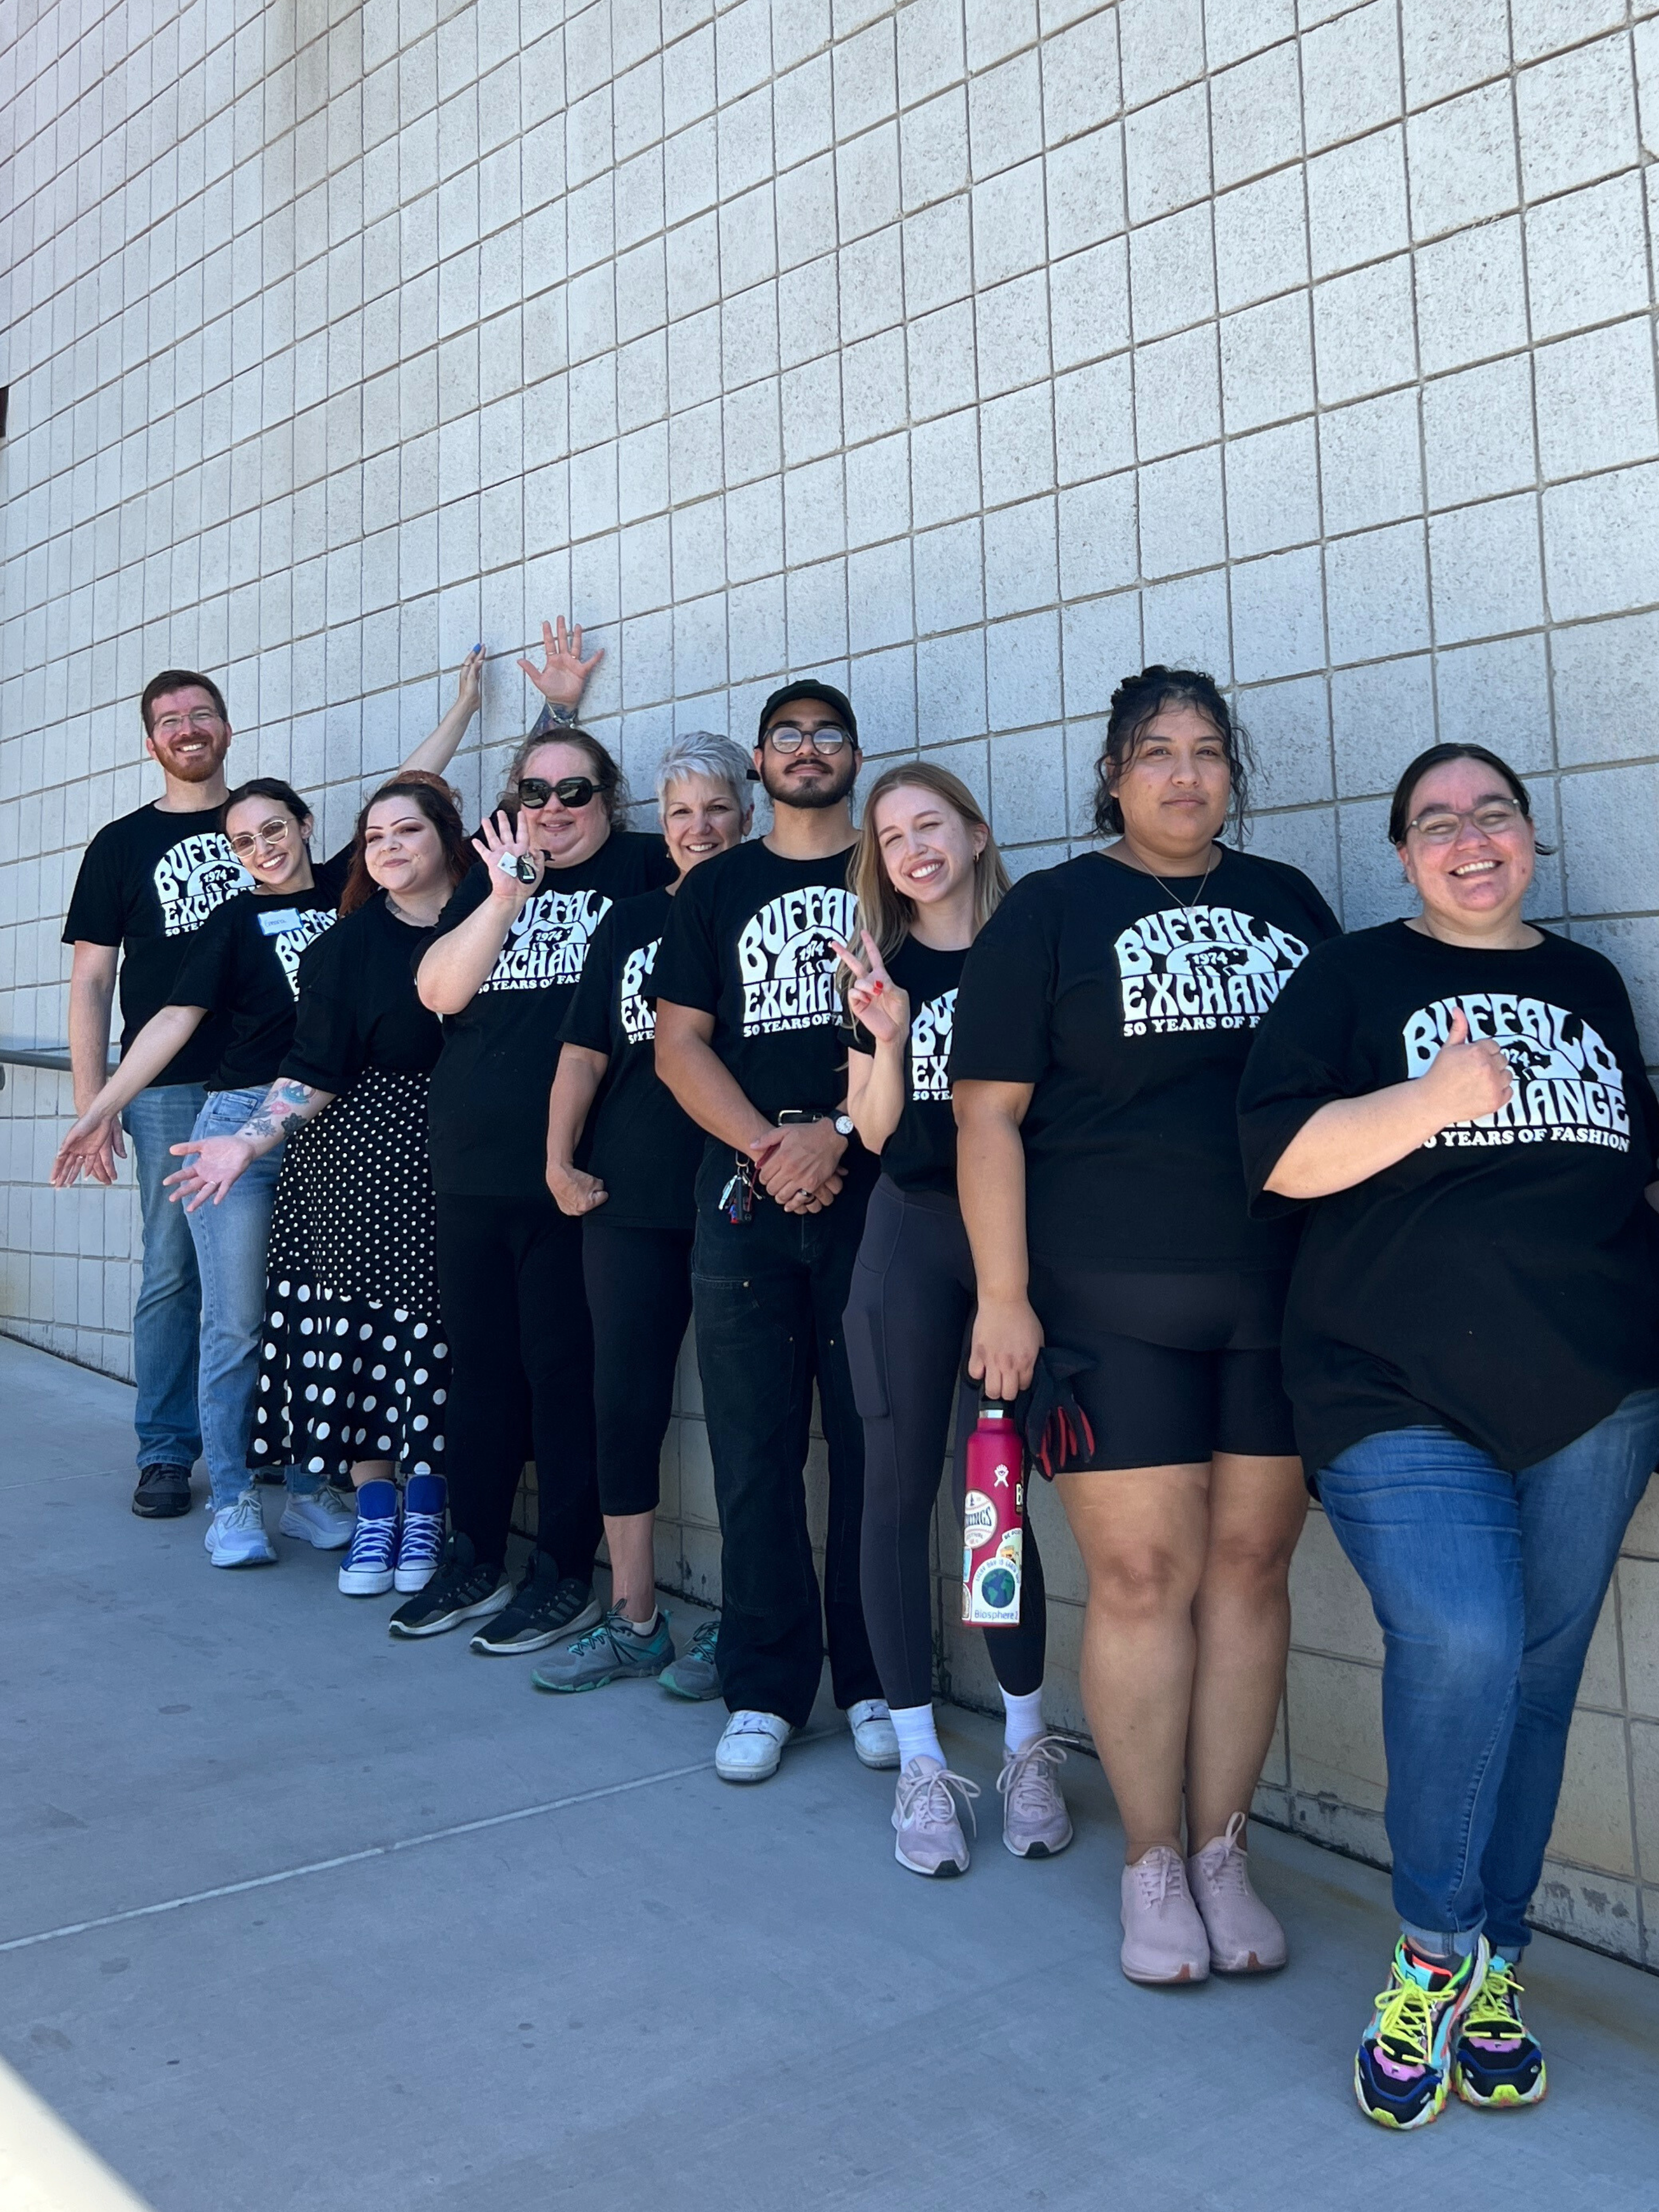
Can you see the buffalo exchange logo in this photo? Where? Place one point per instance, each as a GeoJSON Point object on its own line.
{"type": "Point", "coordinates": [639, 1013]}
{"type": "Point", "coordinates": [929, 1050]}
{"type": "Point", "coordinates": [786, 960]}
{"type": "Point", "coordinates": [194, 876]}
{"type": "Point", "coordinates": [1202, 968]}
{"type": "Point", "coordinates": [547, 942]}
{"type": "Point", "coordinates": [1568, 1086]}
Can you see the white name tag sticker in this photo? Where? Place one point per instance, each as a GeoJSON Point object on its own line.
{"type": "Point", "coordinates": [286, 917]}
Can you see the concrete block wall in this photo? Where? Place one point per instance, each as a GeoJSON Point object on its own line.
{"type": "Point", "coordinates": [972, 351]}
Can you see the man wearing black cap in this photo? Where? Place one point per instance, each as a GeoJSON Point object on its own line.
{"type": "Point", "coordinates": [748, 1040]}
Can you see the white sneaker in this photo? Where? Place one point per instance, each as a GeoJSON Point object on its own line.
{"type": "Point", "coordinates": [750, 1747]}
{"type": "Point", "coordinates": [323, 1517]}
{"type": "Point", "coordinates": [874, 1737]}
{"type": "Point", "coordinates": [236, 1536]}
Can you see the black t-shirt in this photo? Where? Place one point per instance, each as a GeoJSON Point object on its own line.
{"type": "Point", "coordinates": [1131, 1013]}
{"type": "Point", "coordinates": [488, 1104]}
{"type": "Point", "coordinates": [1499, 1280]}
{"type": "Point", "coordinates": [749, 942]}
{"type": "Point", "coordinates": [358, 1005]}
{"type": "Point", "coordinates": [921, 1153]}
{"type": "Point", "coordinates": [642, 1145]}
{"type": "Point", "coordinates": [147, 883]}
{"type": "Point", "coordinates": [243, 963]}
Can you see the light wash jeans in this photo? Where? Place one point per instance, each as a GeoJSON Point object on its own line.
{"type": "Point", "coordinates": [168, 1316]}
{"type": "Point", "coordinates": [1486, 1586]}
{"type": "Point", "coordinates": [230, 1252]}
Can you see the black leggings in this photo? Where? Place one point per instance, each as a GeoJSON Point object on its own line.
{"type": "Point", "coordinates": [521, 1374]}
{"type": "Point", "coordinates": [639, 1293]}
{"type": "Point", "coordinates": [908, 1314]}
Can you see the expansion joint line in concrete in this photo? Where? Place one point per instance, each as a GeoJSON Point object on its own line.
{"type": "Point", "coordinates": [376, 1852]}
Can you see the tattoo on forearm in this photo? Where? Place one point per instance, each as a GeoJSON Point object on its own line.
{"type": "Point", "coordinates": [286, 1101]}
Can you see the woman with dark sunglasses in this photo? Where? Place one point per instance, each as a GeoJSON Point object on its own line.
{"type": "Point", "coordinates": [502, 971]}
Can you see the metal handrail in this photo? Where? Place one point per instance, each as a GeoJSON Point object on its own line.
{"type": "Point", "coordinates": [35, 1055]}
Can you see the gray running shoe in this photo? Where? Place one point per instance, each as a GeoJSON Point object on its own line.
{"type": "Point", "coordinates": [927, 1834]}
{"type": "Point", "coordinates": [1035, 1824]}
{"type": "Point", "coordinates": [694, 1674]}
{"type": "Point", "coordinates": [612, 1652]}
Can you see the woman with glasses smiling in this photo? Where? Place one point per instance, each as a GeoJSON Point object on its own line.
{"type": "Point", "coordinates": [502, 971]}
{"type": "Point", "coordinates": [1471, 1346]}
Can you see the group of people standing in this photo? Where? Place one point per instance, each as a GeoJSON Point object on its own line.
{"type": "Point", "coordinates": [1263, 1207]}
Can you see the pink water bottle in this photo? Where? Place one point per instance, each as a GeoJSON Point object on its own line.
{"type": "Point", "coordinates": [993, 1519]}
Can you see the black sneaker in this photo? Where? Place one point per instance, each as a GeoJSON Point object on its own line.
{"type": "Point", "coordinates": [545, 1606]}
{"type": "Point", "coordinates": [462, 1589]}
{"type": "Point", "coordinates": [163, 1493]}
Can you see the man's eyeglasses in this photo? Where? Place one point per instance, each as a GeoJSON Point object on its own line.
{"type": "Point", "coordinates": [272, 836]}
{"type": "Point", "coordinates": [789, 738]}
{"type": "Point", "coordinates": [1439, 826]}
{"type": "Point", "coordinates": [171, 726]}
{"type": "Point", "coordinates": [569, 790]}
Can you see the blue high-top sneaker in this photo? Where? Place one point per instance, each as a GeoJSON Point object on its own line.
{"type": "Point", "coordinates": [420, 1545]}
{"type": "Point", "coordinates": [367, 1569]}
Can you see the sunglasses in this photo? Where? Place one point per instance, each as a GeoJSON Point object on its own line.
{"type": "Point", "coordinates": [569, 790]}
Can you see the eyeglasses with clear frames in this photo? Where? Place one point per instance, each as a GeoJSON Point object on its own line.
{"type": "Point", "coordinates": [200, 718]}
{"type": "Point", "coordinates": [789, 738]}
{"type": "Point", "coordinates": [270, 836]}
{"type": "Point", "coordinates": [1493, 818]}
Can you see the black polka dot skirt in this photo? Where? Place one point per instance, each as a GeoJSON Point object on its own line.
{"type": "Point", "coordinates": [354, 1364]}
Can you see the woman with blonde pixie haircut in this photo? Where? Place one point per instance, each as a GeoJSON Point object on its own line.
{"type": "Point", "coordinates": [927, 874]}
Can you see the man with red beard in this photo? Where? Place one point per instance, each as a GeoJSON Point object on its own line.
{"type": "Point", "coordinates": [148, 883]}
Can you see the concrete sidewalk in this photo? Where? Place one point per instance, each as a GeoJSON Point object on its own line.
{"type": "Point", "coordinates": [297, 1917]}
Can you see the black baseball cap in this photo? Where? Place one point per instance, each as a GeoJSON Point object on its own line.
{"type": "Point", "coordinates": [810, 688]}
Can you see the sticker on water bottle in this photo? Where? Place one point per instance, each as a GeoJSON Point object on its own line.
{"type": "Point", "coordinates": [979, 1520]}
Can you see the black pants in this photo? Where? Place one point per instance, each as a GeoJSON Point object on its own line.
{"type": "Point", "coordinates": [907, 1319]}
{"type": "Point", "coordinates": [639, 1293]}
{"type": "Point", "coordinates": [521, 1374]}
{"type": "Point", "coordinates": [769, 1296]}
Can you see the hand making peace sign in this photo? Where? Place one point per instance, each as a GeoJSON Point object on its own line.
{"type": "Point", "coordinates": [875, 999]}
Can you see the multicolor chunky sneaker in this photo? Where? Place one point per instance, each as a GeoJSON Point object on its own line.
{"type": "Point", "coordinates": [1498, 2061]}
{"type": "Point", "coordinates": [1403, 2068]}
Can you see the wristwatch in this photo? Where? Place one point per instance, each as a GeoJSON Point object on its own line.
{"type": "Point", "coordinates": [843, 1125]}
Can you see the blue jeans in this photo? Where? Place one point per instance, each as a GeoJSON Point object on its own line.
{"type": "Point", "coordinates": [1487, 1587]}
{"type": "Point", "coordinates": [167, 1318]}
{"type": "Point", "coordinates": [230, 1253]}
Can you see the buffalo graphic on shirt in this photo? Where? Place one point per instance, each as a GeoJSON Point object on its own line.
{"type": "Point", "coordinates": [1568, 1086]}
{"type": "Point", "coordinates": [194, 876]}
{"type": "Point", "coordinates": [1202, 968]}
{"type": "Point", "coordinates": [547, 942]}
{"type": "Point", "coordinates": [638, 1014]}
{"type": "Point", "coordinates": [929, 1050]}
{"type": "Point", "coordinates": [786, 960]}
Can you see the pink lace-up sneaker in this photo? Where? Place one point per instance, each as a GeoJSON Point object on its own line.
{"type": "Point", "coordinates": [1244, 1937]}
{"type": "Point", "coordinates": [1163, 1938]}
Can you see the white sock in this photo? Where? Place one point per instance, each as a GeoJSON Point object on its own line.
{"type": "Point", "coordinates": [917, 1736]}
{"type": "Point", "coordinates": [642, 1627]}
{"type": "Point", "coordinates": [1023, 1722]}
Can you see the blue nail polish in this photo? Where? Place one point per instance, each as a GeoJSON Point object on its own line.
{"type": "Point", "coordinates": [479, 646]}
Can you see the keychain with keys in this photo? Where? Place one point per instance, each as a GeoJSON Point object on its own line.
{"type": "Point", "coordinates": [738, 1199]}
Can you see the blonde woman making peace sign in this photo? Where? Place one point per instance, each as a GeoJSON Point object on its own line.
{"type": "Point", "coordinates": [927, 873]}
